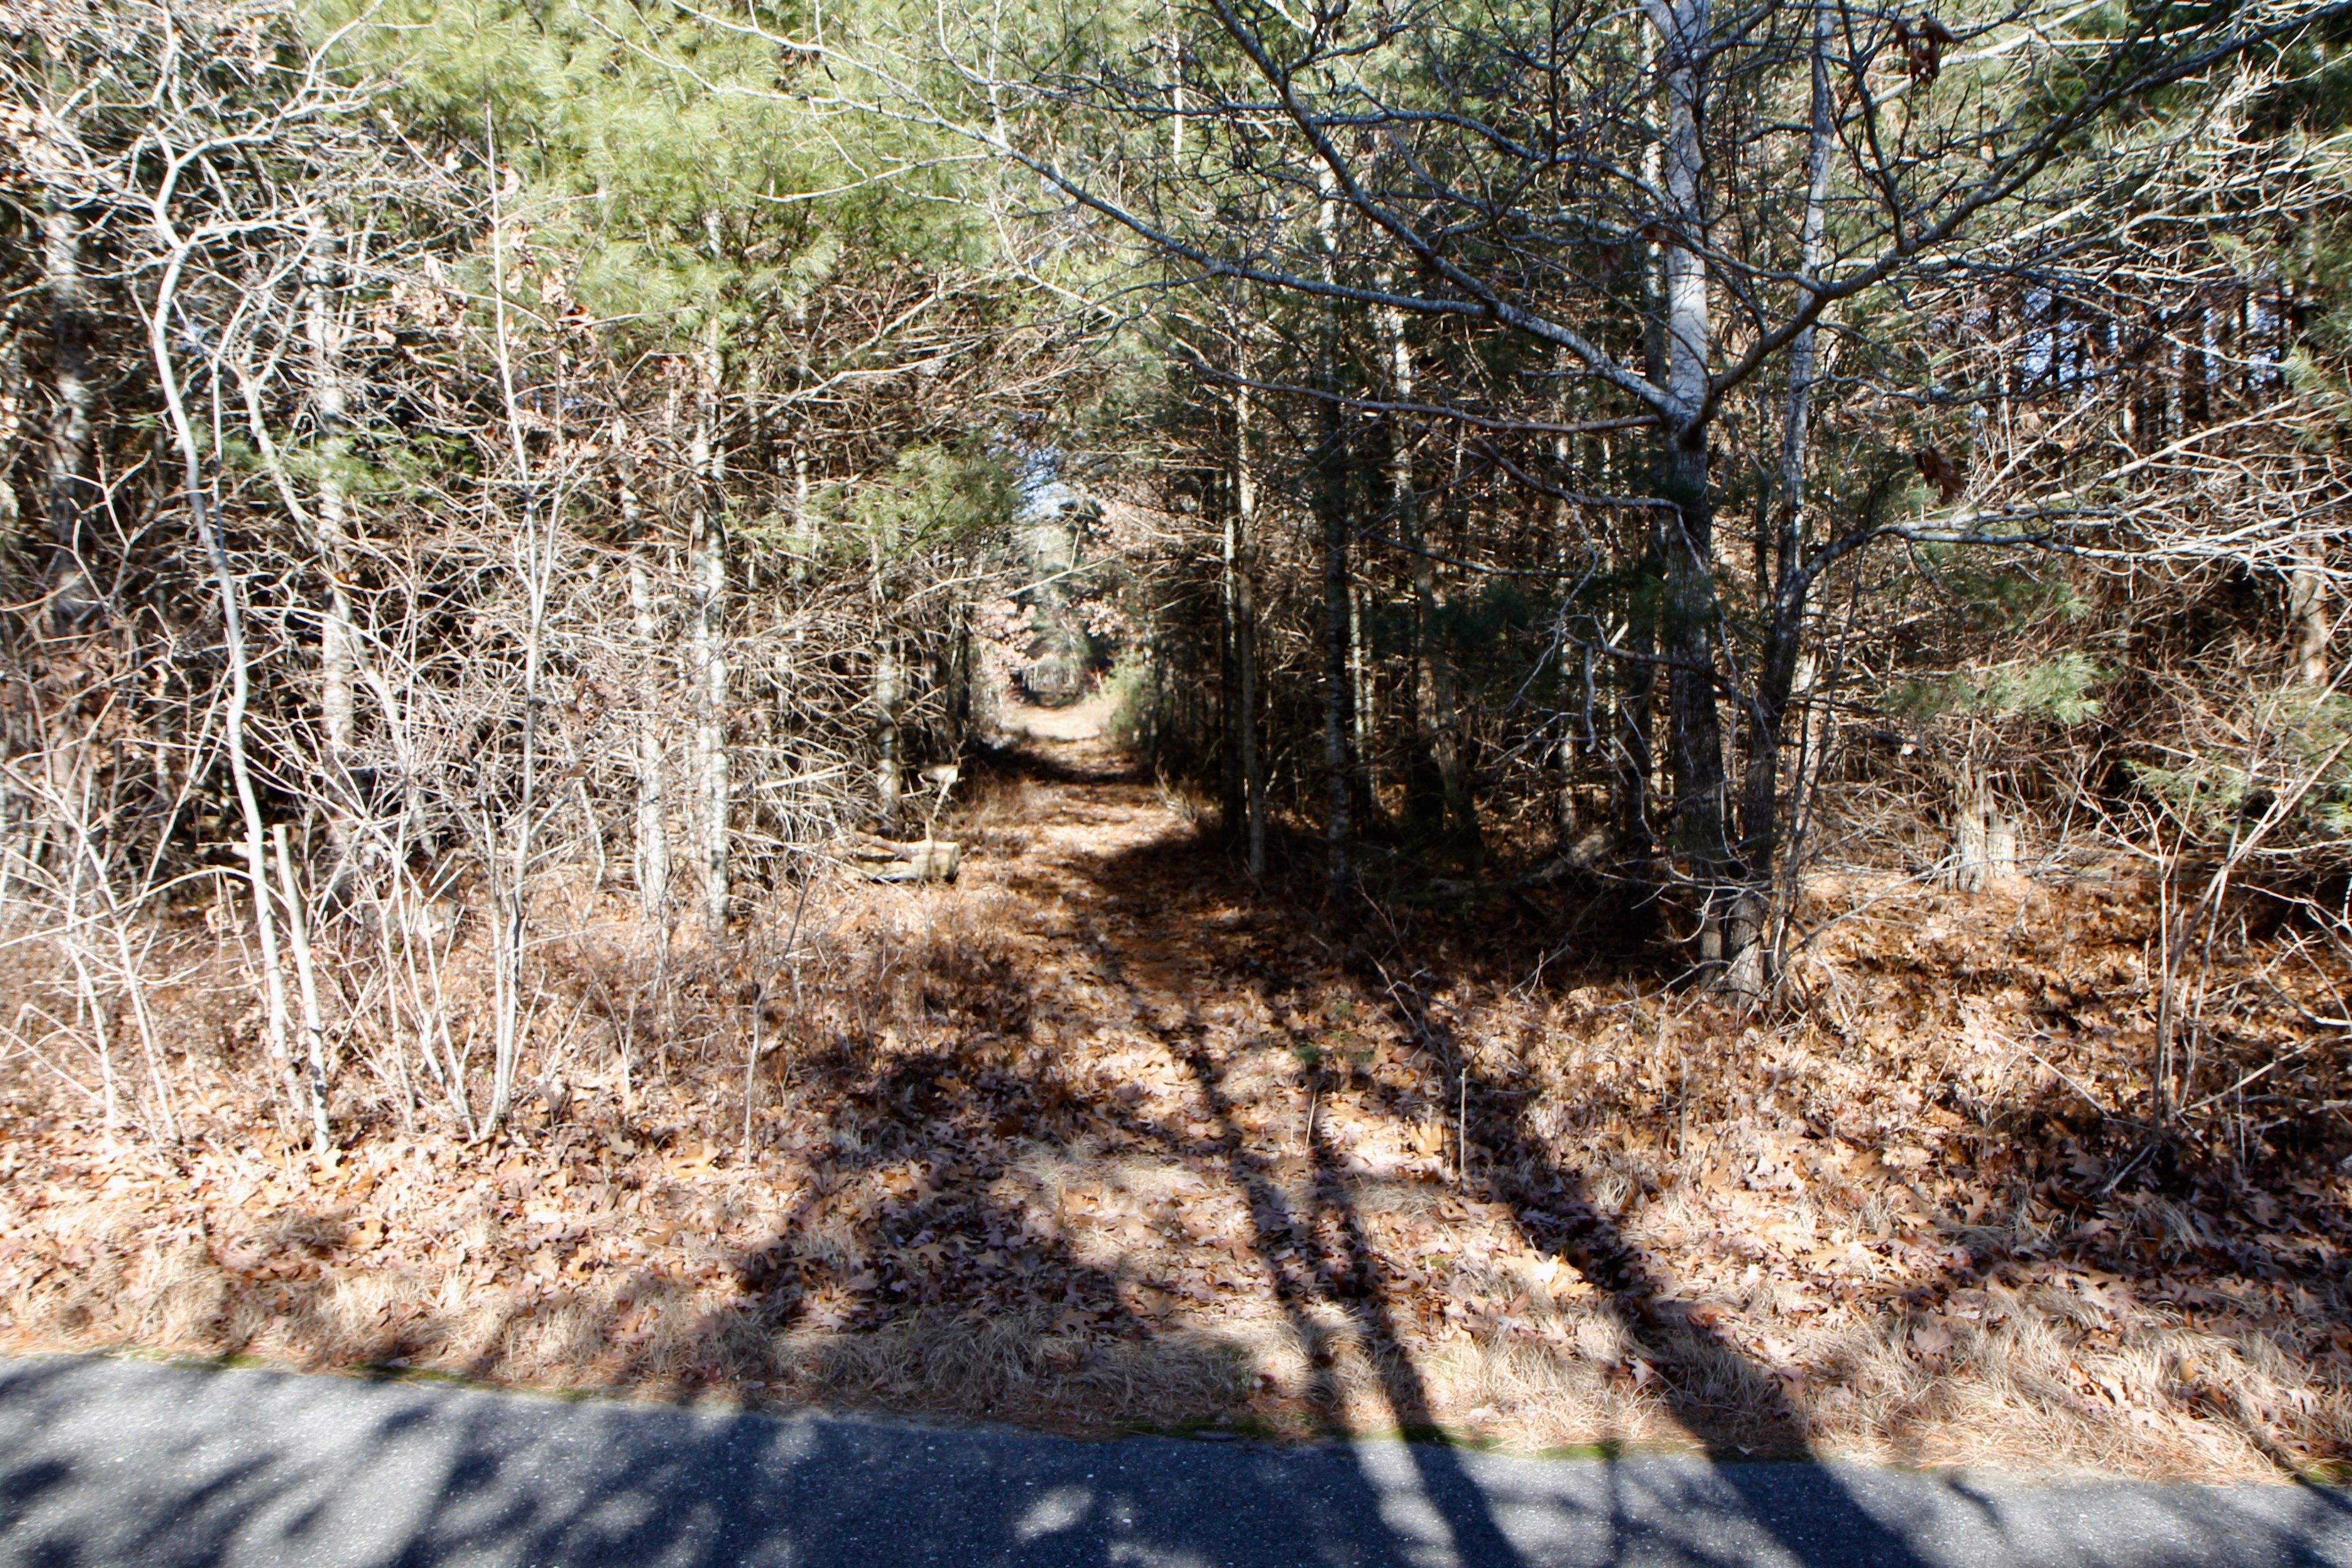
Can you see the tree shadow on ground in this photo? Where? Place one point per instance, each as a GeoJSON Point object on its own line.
{"type": "Point", "coordinates": [952, 1244]}
{"type": "Point", "coordinates": [915, 1261]}
{"type": "Point", "coordinates": [2040, 1154]}
{"type": "Point", "coordinates": [2079, 1198]}
{"type": "Point", "coordinates": [1177, 886]}
{"type": "Point", "coordinates": [111, 1463]}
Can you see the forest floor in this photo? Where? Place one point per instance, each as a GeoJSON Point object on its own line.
{"type": "Point", "coordinates": [1107, 1137]}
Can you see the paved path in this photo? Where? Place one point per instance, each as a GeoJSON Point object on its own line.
{"type": "Point", "coordinates": [105, 1462]}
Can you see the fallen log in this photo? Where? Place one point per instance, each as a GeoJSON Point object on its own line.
{"type": "Point", "coordinates": [884, 860]}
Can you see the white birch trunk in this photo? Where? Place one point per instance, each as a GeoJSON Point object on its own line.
{"type": "Point", "coordinates": [338, 637]}
{"type": "Point", "coordinates": [536, 561]}
{"type": "Point", "coordinates": [889, 785]}
{"type": "Point", "coordinates": [330, 406]}
{"type": "Point", "coordinates": [652, 826]}
{"type": "Point", "coordinates": [73, 603]}
{"type": "Point", "coordinates": [653, 818]}
{"type": "Point", "coordinates": [306, 973]}
{"type": "Point", "coordinates": [707, 568]}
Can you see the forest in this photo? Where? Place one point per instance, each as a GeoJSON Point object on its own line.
{"type": "Point", "coordinates": [1541, 723]}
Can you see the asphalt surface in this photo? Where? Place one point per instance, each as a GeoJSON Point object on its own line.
{"type": "Point", "coordinates": [119, 1462]}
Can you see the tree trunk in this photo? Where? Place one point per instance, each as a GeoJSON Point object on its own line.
{"type": "Point", "coordinates": [1360, 705]}
{"type": "Point", "coordinates": [889, 691]}
{"type": "Point", "coordinates": [338, 638]}
{"type": "Point", "coordinates": [959, 677]}
{"type": "Point", "coordinates": [1984, 842]}
{"type": "Point", "coordinates": [2176, 423]}
{"type": "Point", "coordinates": [536, 547]}
{"type": "Point", "coordinates": [1332, 502]}
{"type": "Point", "coordinates": [653, 812]}
{"type": "Point", "coordinates": [711, 721]}
{"type": "Point", "coordinates": [15, 392]}
{"type": "Point", "coordinates": [1568, 812]}
{"type": "Point", "coordinates": [1425, 780]}
{"type": "Point", "coordinates": [2306, 600]}
{"type": "Point", "coordinates": [1810, 697]}
{"type": "Point", "coordinates": [804, 539]}
{"type": "Point", "coordinates": [74, 605]}
{"type": "Point", "coordinates": [1444, 812]}
{"type": "Point", "coordinates": [1787, 570]}
{"type": "Point", "coordinates": [240, 694]}
{"type": "Point", "coordinates": [1229, 672]}
{"type": "Point", "coordinates": [1687, 628]}
{"type": "Point", "coordinates": [889, 766]}
{"type": "Point", "coordinates": [1636, 761]}
{"type": "Point", "coordinates": [707, 568]}
{"type": "Point", "coordinates": [314, 1032]}
{"type": "Point", "coordinates": [1246, 745]}
{"type": "Point", "coordinates": [1331, 505]}
{"type": "Point", "coordinates": [1689, 644]}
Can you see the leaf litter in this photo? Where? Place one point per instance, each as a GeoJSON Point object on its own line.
{"type": "Point", "coordinates": [1102, 1138]}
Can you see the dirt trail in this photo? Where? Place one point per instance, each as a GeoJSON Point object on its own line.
{"type": "Point", "coordinates": [1367, 1185]}
{"type": "Point", "coordinates": [1262, 1154]}
{"type": "Point", "coordinates": [1091, 874]}
{"type": "Point", "coordinates": [1106, 1135]}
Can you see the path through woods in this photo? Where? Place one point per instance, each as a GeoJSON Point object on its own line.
{"type": "Point", "coordinates": [1754, 952]}
{"type": "Point", "coordinates": [1281, 1151]}
{"type": "Point", "coordinates": [1105, 1136]}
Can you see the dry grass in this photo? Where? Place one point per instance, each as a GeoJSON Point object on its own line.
{"type": "Point", "coordinates": [1098, 1138]}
